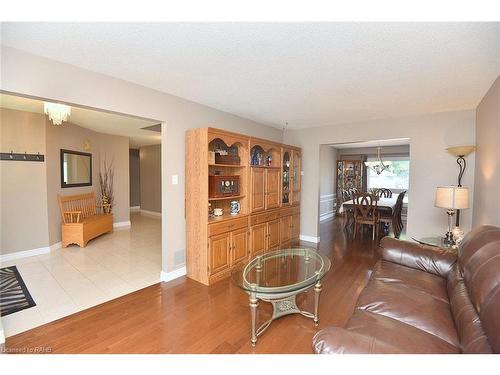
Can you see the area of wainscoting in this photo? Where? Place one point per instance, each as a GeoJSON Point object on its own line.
{"type": "Point", "coordinates": [327, 206]}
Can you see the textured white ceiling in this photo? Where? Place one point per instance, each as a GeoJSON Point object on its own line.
{"type": "Point", "coordinates": [102, 122]}
{"type": "Point", "coordinates": [309, 74]}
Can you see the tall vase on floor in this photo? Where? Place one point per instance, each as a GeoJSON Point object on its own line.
{"type": "Point", "coordinates": [106, 185]}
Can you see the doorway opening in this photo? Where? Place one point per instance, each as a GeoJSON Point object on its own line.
{"type": "Point", "coordinates": [78, 158]}
{"type": "Point", "coordinates": [380, 168]}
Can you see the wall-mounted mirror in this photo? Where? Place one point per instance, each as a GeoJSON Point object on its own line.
{"type": "Point", "coordinates": [76, 169]}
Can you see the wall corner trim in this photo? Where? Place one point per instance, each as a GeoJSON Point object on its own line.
{"type": "Point", "coordinates": [151, 213]}
{"type": "Point", "coordinates": [24, 254]}
{"type": "Point", "coordinates": [122, 224]}
{"type": "Point", "coordinates": [326, 216]}
{"type": "Point", "coordinates": [168, 276]}
{"type": "Point", "coordinates": [55, 246]}
{"type": "Point", "coordinates": [307, 238]}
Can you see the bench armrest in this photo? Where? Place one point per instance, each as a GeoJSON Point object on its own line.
{"type": "Point", "coordinates": [430, 259]}
{"type": "Point", "coordinates": [336, 340]}
{"type": "Point", "coordinates": [71, 215]}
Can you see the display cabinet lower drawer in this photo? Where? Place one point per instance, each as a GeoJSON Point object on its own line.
{"type": "Point", "coordinates": [226, 226]}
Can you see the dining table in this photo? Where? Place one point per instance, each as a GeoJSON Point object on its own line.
{"type": "Point", "coordinates": [384, 206]}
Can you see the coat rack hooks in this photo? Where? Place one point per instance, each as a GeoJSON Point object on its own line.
{"type": "Point", "coordinates": [21, 156]}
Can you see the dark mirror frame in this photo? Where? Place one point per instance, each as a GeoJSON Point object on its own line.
{"type": "Point", "coordinates": [65, 185]}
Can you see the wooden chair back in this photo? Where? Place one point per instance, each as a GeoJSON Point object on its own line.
{"type": "Point", "coordinates": [385, 193]}
{"type": "Point", "coordinates": [398, 208]}
{"type": "Point", "coordinates": [353, 192]}
{"type": "Point", "coordinates": [75, 208]}
{"type": "Point", "coordinates": [365, 207]}
{"type": "Point", "coordinates": [345, 196]}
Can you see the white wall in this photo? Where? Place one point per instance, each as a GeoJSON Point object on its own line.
{"type": "Point", "coordinates": [430, 164]}
{"type": "Point", "coordinates": [40, 77]}
{"type": "Point", "coordinates": [487, 181]}
{"type": "Point", "coordinates": [328, 175]}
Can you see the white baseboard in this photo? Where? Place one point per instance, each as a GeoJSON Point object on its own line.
{"type": "Point", "coordinates": [151, 213]}
{"type": "Point", "coordinates": [24, 254]}
{"type": "Point", "coordinates": [135, 208]}
{"type": "Point", "coordinates": [168, 276]}
{"type": "Point", "coordinates": [55, 246]}
{"type": "Point", "coordinates": [122, 224]}
{"type": "Point", "coordinates": [326, 216]}
{"type": "Point", "coordinates": [306, 238]}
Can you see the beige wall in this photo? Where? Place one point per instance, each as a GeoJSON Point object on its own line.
{"type": "Point", "coordinates": [328, 175]}
{"type": "Point", "coordinates": [33, 75]}
{"type": "Point", "coordinates": [134, 177]}
{"type": "Point", "coordinates": [487, 171]}
{"type": "Point", "coordinates": [29, 189]}
{"type": "Point", "coordinates": [150, 180]}
{"type": "Point", "coordinates": [102, 146]}
{"type": "Point", "coordinates": [23, 202]}
{"type": "Point", "coordinates": [431, 165]}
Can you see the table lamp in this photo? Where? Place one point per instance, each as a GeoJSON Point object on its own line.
{"type": "Point", "coordinates": [452, 198]}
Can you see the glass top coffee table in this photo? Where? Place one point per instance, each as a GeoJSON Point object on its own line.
{"type": "Point", "coordinates": [278, 277]}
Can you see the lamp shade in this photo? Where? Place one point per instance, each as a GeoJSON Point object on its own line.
{"type": "Point", "coordinates": [461, 150]}
{"type": "Point", "coordinates": [452, 197]}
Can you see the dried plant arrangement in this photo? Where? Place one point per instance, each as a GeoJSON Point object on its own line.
{"type": "Point", "coordinates": [106, 183]}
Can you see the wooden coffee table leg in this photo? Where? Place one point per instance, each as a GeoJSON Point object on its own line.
{"type": "Point", "coordinates": [254, 303]}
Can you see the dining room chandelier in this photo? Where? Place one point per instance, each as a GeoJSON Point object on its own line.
{"type": "Point", "coordinates": [378, 166]}
{"type": "Point", "coordinates": [58, 113]}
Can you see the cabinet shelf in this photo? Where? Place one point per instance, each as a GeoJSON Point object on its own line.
{"type": "Point", "coordinates": [263, 166]}
{"type": "Point", "coordinates": [226, 198]}
{"type": "Point", "coordinates": [226, 165]}
{"type": "Point", "coordinates": [218, 219]}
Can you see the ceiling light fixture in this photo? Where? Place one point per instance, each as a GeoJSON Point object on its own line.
{"type": "Point", "coordinates": [58, 113]}
{"type": "Point", "coordinates": [378, 166]}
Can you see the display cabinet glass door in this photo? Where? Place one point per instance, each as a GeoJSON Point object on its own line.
{"type": "Point", "coordinates": [285, 184]}
{"type": "Point", "coordinates": [296, 177]}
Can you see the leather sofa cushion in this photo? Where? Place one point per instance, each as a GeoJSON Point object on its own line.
{"type": "Point", "coordinates": [469, 327]}
{"type": "Point", "coordinates": [392, 332]}
{"type": "Point", "coordinates": [482, 280]}
{"type": "Point", "coordinates": [411, 306]}
{"type": "Point", "coordinates": [396, 274]}
{"type": "Point", "coordinates": [474, 240]}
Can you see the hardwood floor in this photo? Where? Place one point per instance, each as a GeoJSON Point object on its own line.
{"type": "Point", "coordinates": [184, 316]}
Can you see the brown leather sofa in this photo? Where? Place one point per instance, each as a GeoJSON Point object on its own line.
{"type": "Point", "coordinates": [422, 299]}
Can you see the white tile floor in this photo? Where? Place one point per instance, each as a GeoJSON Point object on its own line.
{"type": "Point", "coordinates": [73, 279]}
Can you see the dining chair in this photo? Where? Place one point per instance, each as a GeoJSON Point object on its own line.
{"type": "Point", "coordinates": [365, 212]}
{"type": "Point", "coordinates": [398, 209]}
{"type": "Point", "coordinates": [353, 192]}
{"type": "Point", "coordinates": [394, 218]}
{"type": "Point", "coordinates": [385, 193]}
{"type": "Point", "coordinates": [347, 214]}
{"type": "Point", "coordinates": [346, 195]}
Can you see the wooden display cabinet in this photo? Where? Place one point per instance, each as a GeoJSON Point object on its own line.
{"type": "Point", "coordinates": [216, 245]}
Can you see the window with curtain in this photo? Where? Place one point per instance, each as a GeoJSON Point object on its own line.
{"type": "Point", "coordinates": [395, 177]}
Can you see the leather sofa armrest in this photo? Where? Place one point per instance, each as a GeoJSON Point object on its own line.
{"type": "Point", "coordinates": [336, 340]}
{"type": "Point", "coordinates": [430, 259]}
